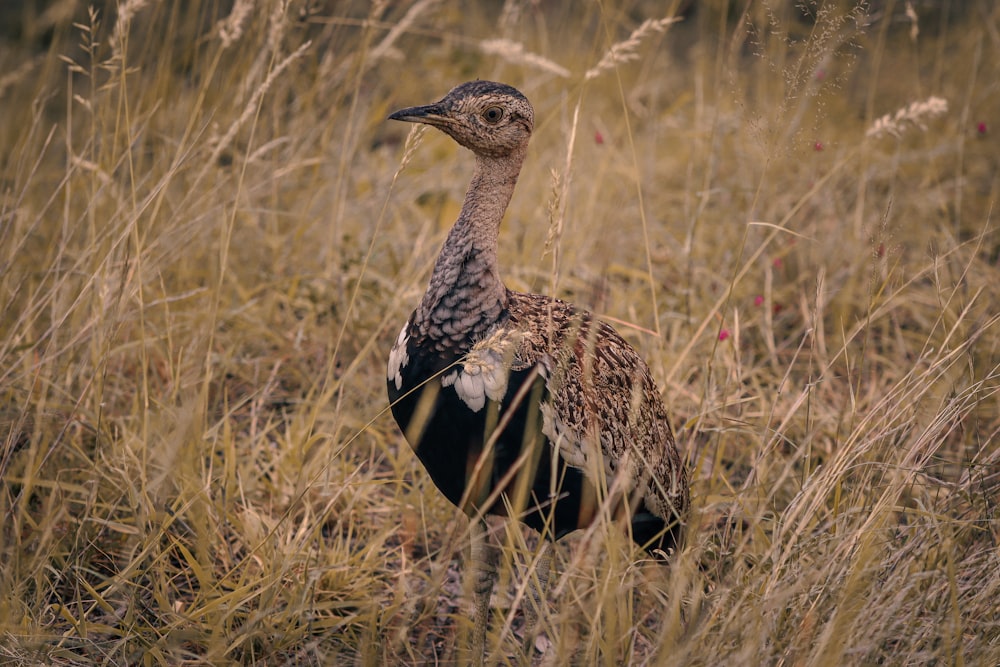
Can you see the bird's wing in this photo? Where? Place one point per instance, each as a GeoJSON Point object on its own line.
{"type": "Point", "coordinates": [602, 410]}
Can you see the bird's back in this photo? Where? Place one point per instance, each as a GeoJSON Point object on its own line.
{"type": "Point", "coordinates": [604, 413]}
{"type": "Point", "coordinates": [565, 410]}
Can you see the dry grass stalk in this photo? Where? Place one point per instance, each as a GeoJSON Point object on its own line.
{"type": "Point", "coordinates": [385, 47]}
{"type": "Point", "coordinates": [625, 51]}
{"type": "Point", "coordinates": [913, 115]}
{"type": "Point", "coordinates": [514, 52]}
{"type": "Point", "coordinates": [276, 25]}
{"type": "Point", "coordinates": [255, 99]}
{"type": "Point", "coordinates": [911, 16]}
{"type": "Point", "coordinates": [126, 11]}
{"type": "Point", "coordinates": [230, 29]}
{"type": "Point", "coordinates": [57, 13]}
{"type": "Point", "coordinates": [413, 139]}
{"type": "Point", "coordinates": [15, 77]}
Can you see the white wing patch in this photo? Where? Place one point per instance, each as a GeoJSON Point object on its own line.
{"type": "Point", "coordinates": [398, 358]}
{"type": "Point", "coordinates": [484, 372]}
{"type": "Point", "coordinates": [482, 375]}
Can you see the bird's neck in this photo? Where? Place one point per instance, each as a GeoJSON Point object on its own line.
{"type": "Point", "coordinates": [466, 295]}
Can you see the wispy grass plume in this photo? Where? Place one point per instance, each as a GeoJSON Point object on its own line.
{"type": "Point", "coordinates": [514, 52]}
{"type": "Point", "coordinates": [230, 29]}
{"type": "Point", "coordinates": [625, 51]}
{"type": "Point", "coordinates": [913, 115]}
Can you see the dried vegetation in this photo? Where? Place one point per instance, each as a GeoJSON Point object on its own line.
{"type": "Point", "coordinates": [205, 255]}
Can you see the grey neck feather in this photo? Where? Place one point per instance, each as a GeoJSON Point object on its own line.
{"type": "Point", "coordinates": [466, 295]}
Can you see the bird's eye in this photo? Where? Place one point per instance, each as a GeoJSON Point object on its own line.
{"type": "Point", "coordinates": [493, 114]}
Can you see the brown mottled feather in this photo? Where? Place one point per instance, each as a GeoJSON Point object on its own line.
{"type": "Point", "coordinates": [600, 389]}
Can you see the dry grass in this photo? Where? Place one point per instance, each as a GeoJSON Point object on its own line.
{"type": "Point", "coordinates": [205, 253]}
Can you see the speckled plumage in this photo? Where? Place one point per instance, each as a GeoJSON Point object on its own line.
{"type": "Point", "coordinates": [556, 399]}
{"type": "Point", "coordinates": [600, 392]}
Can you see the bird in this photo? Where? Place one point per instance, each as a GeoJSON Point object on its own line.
{"type": "Point", "coordinates": [524, 405]}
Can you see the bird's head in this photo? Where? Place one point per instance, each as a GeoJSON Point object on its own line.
{"type": "Point", "coordinates": [488, 118]}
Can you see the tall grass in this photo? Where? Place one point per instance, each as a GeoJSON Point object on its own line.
{"type": "Point", "coordinates": [209, 237]}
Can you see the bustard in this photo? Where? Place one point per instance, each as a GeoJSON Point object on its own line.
{"type": "Point", "coordinates": [522, 404]}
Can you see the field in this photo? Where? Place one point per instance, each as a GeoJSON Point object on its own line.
{"type": "Point", "coordinates": [210, 236]}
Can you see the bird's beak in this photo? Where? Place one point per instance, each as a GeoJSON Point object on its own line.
{"type": "Point", "coordinates": [431, 114]}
